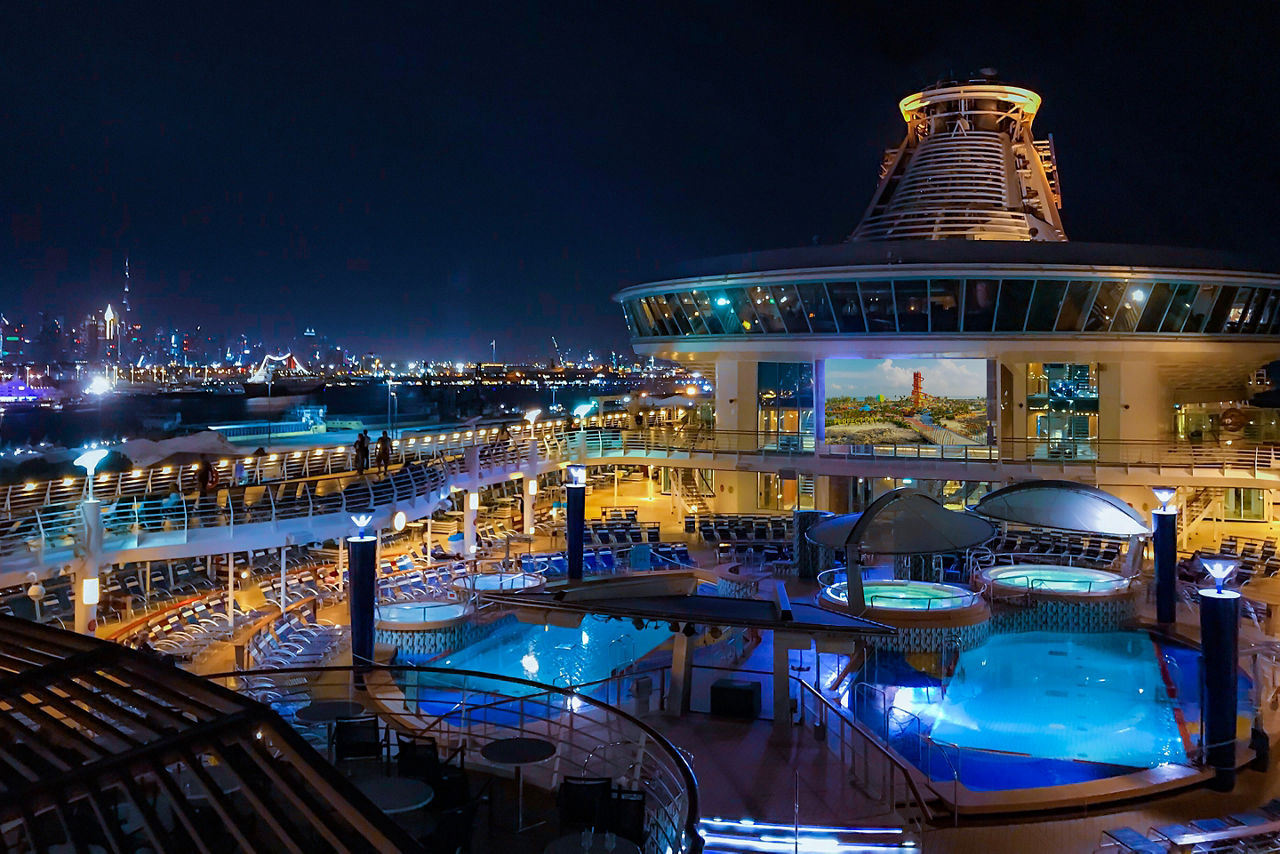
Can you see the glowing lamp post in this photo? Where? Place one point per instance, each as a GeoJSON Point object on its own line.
{"type": "Point", "coordinates": [1220, 648]}
{"type": "Point", "coordinates": [86, 603]}
{"type": "Point", "coordinates": [1164, 543]}
{"type": "Point", "coordinates": [89, 461]}
{"type": "Point", "coordinates": [362, 563]}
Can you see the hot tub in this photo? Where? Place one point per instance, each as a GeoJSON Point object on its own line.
{"type": "Point", "coordinates": [928, 616]}
{"type": "Point", "coordinates": [1053, 579]}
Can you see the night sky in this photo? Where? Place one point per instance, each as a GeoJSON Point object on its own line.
{"type": "Point", "coordinates": [421, 178]}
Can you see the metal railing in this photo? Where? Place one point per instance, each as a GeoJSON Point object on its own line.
{"type": "Point", "coordinates": [465, 710]}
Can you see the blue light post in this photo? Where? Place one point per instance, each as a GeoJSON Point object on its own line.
{"type": "Point", "coordinates": [1164, 541]}
{"type": "Point", "coordinates": [362, 568]}
{"type": "Point", "coordinates": [1219, 644]}
{"type": "Point", "coordinates": [575, 498]}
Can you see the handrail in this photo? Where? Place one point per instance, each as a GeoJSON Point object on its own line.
{"type": "Point", "coordinates": [571, 699]}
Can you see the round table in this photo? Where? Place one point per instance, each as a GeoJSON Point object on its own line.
{"type": "Point", "coordinates": [328, 712]}
{"type": "Point", "coordinates": [395, 794]}
{"type": "Point", "coordinates": [518, 752]}
{"type": "Point", "coordinates": [572, 844]}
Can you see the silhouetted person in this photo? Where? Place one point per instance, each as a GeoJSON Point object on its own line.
{"type": "Point", "coordinates": [383, 452]}
{"type": "Point", "coordinates": [362, 453]}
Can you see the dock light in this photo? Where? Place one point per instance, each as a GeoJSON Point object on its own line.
{"type": "Point", "coordinates": [399, 520]}
{"type": "Point", "coordinates": [89, 462]}
{"type": "Point", "coordinates": [90, 591]}
{"type": "Point", "coordinates": [1164, 494]}
{"type": "Point", "coordinates": [577, 475]}
{"type": "Point", "coordinates": [98, 386]}
{"type": "Point", "coordinates": [362, 523]}
{"type": "Point", "coordinates": [1219, 568]}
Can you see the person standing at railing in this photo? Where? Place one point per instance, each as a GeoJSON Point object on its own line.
{"type": "Point", "coordinates": [383, 453]}
{"type": "Point", "coordinates": [362, 453]}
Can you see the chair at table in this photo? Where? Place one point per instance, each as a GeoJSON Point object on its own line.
{"type": "Point", "coordinates": [584, 802]}
{"type": "Point", "coordinates": [418, 757]}
{"type": "Point", "coordinates": [627, 815]}
{"type": "Point", "coordinates": [357, 739]}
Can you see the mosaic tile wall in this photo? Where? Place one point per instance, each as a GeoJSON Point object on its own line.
{"type": "Point", "coordinates": [934, 639]}
{"type": "Point", "coordinates": [421, 645]}
{"type": "Point", "coordinates": [1106, 615]}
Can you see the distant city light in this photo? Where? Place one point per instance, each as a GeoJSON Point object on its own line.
{"type": "Point", "coordinates": [98, 386]}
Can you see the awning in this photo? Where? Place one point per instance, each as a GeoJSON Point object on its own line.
{"type": "Point", "coordinates": [903, 521]}
{"type": "Point", "coordinates": [146, 452]}
{"type": "Point", "coordinates": [1063, 505]}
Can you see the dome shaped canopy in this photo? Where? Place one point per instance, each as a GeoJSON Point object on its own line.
{"type": "Point", "coordinates": [1064, 506]}
{"type": "Point", "coordinates": [903, 521]}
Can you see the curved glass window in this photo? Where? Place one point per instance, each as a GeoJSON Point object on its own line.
{"type": "Point", "coordinates": [847, 306]}
{"type": "Point", "coordinates": [1046, 302]}
{"type": "Point", "coordinates": [1131, 306]}
{"type": "Point", "coordinates": [1103, 310]}
{"type": "Point", "coordinates": [1158, 299]}
{"type": "Point", "coordinates": [762, 300]}
{"type": "Point", "coordinates": [912, 298]}
{"type": "Point", "coordinates": [1180, 300]}
{"type": "Point", "coordinates": [1205, 300]}
{"type": "Point", "coordinates": [724, 311]}
{"type": "Point", "coordinates": [816, 305]}
{"type": "Point", "coordinates": [745, 310]}
{"type": "Point", "coordinates": [1011, 312]}
{"type": "Point", "coordinates": [707, 314]}
{"type": "Point", "coordinates": [1074, 305]}
{"type": "Point", "coordinates": [944, 305]}
{"type": "Point", "coordinates": [980, 304]}
{"type": "Point", "coordinates": [877, 306]}
{"type": "Point", "coordinates": [787, 301]}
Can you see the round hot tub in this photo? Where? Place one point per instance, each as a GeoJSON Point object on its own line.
{"type": "Point", "coordinates": [486, 582]}
{"type": "Point", "coordinates": [1050, 579]}
{"type": "Point", "coordinates": [928, 616]}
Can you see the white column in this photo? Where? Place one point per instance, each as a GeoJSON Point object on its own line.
{"type": "Point", "coordinates": [86, 578]}
{"type": "Point", "coordinates": [231, 591]}
{"type": "Point", "coordinates": [528, 497]}
{"type": "Point", "coordinates": [470, 507]}
{"type": "Point", "coordinates": [282, 579]}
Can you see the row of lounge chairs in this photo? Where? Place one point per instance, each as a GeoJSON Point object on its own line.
{"type": "Point", "coordinates": [739, 527]}
{"type": "Point", "coordinates": [1251, 831]}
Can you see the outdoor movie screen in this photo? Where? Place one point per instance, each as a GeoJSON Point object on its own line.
{"type": "Point", "coordinates": [906, 402]}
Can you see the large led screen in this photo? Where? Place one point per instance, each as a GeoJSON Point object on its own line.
{"type": "Point", "coordinates": [906, 402]}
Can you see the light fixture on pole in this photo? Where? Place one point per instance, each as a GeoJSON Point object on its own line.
{"type": "Point", "coordinates": [1219, 568]}
{"type": "Point", "coordinates": [362, 523]}
{"type": "Point", "coordinates": [1164, 494]}
{"type": "Point", "coordinates": [89, 462]}
{"type": "Point", "coordinates": [531, 415]}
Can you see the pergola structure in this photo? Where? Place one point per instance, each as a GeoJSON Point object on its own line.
{"type": "Point", "coordinates": [107, 748]}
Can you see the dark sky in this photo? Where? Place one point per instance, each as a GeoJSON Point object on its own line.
{"type": "Point", "coordinates": [423, 177]}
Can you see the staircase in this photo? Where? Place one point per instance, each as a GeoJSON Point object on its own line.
{"type": "Point", "coordinates": [688, 486]}
{"type": "Point", "coordinates": [1199, 506]}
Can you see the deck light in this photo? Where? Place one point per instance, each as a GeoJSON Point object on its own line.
{"type": "Point", "coordinates": [577, 475]}
{"type": "Point", "coordinates": [90, 591]}
{"type": "Point", "coordinates": [1219, 568]}
{"type": "Point", "coordinates": [89, 462]}
{"type": "Point", "coordinates": [362, 522]}
{"type": "Point", "coordinates": [399, 520]}
{"type": "Point", "coordinates": [1164, 494]}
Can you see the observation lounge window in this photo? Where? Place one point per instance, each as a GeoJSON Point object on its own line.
{"type": "Point", "coordinates": [814, 297]}
{"type": "Point", "coordinates": [677, 314]}
{"type": "Point", "coordinates": [1221, 313]}
{"type": "Point", "coordinates": [642, 317]}
{"type": "Point", "coordinates": [1015, 296]}
{"type": "Point", "coordinates": [689, 311]}
{"type": "Point", "coordinates": [1131, 306]}
{"type": "Point", "coordinates": [725, 312]}
{"type": "Point", "coordinates": [913, 305]}
{"type": "Point", "coordinates": [706, 313]}
{"type": "Point", "coordinates": [1180, 299]}
{"type": "Point", "coordinates": [1257, 309]}
{"type": "Point", "coordinates": [847, 306]}
{"type": "Point", "coordinates": [944, 305]}
{"type": "Point", "coordinates": [1074, 306]}
{"type": "Point", "coordinates": [1158, 301]}
{"type": "Point", "coordinates": [980, 297]}
{"type": "Point", "coordinates": [1103, 310]}
{"type": "Point", "coordinates": [1239, 311]}
{"type": "Point", "coordinates": [787, 301]}
{"type": "Point", "coordinates": [766, 310]}
{"type": "Point", "coordinates": [633, 325]}
{"type": "Point", "coordinates": [661, 317]}
{"type": "Point", "coordinates": [745, 309]}
{"type": "Point", "coordinates": [877, 305]}
{"type": "Point", "coordinates": [1200, 309]}
{"type": "Point", "coordinates": [1046, 302]}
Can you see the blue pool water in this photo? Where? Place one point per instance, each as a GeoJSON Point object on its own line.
{"type": "Point", "coordinates": [1036, 708]}
{"type": "Point", "coordinates": [555, 655]}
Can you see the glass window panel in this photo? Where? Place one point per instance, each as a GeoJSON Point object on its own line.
{"type": "Point", "coordinates": [1046, 301]}
{"type": "Point", "coordinates": [745, 309]}
{"type": "Point", "coordinates": [1201, 308]}
{"type": "Point", "coordinates": [847, 306]}
{"type": "Point", "coordinates": [980, 304]}
{"type": "Point", "coordinates": [658, 312]}
{"type": "Point", "coordinates": [817, 306]}
{"type": "Point", "coordinates": [1221, 310]}
{"type": "Point", "coordinates": [1159, 296]}
{"type": "Point", "coordinates": [1074, 305]}
{"type": "Point", "coordinates": [723, 307]}
{"type": "Point", "coordinates": [944, 305]}
{"type": "Point", "coordinates": [877, 306]}
{"type": "Point", "coordinates": [1011, 313]}
{"type": "Point", "coordinates": [762, 299]}
{"type": "Point", "coordinates": [710, 319]}
{"type": "Point", "coordinates": [1179, 307]}
{"type": "Point", "coordinates": [672, 305]}
{"type": "Point", "coordinates": [1253, 315]}
{"type": "Point", "coordinates": [912, 297]}
{"type": "Point", "coordinates": [1131, 305]}
{"type": "Point", "coordinates": [640, 315]}
{"type": "Point", "coordinates": [1235, 315]}
{"type": "Point", "coordinates": [1103, 310]}
{"type": "Point", "coordinates": [787, 301]}
{"type": "Point", "coordinates": [1268, 311]}
{"type": "Point", "coordinates": [689, 311]}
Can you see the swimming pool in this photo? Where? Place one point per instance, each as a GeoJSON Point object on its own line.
{"type": "Point", "coordinates": [556, 655]}
{"type": "Point", "coordinates": [1030, 709]}
{"type": "Point", "coordinates": [1038, 578]}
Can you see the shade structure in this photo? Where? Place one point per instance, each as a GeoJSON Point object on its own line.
{"type": "Point", "coordinates": [1064, 506]}
{"type": "Point", "coordinates": [903, 522]}
{"type": "Point", "coordinates": [182, 449]}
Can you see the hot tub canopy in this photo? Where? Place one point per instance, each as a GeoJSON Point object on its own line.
{"type": "Point", "coordinates": [1064, 506]}
{"type": "Point", "coordinates": [903, 522]}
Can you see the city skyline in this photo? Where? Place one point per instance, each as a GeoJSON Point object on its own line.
{"type": "Point", "coordinates": [405, 179]}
